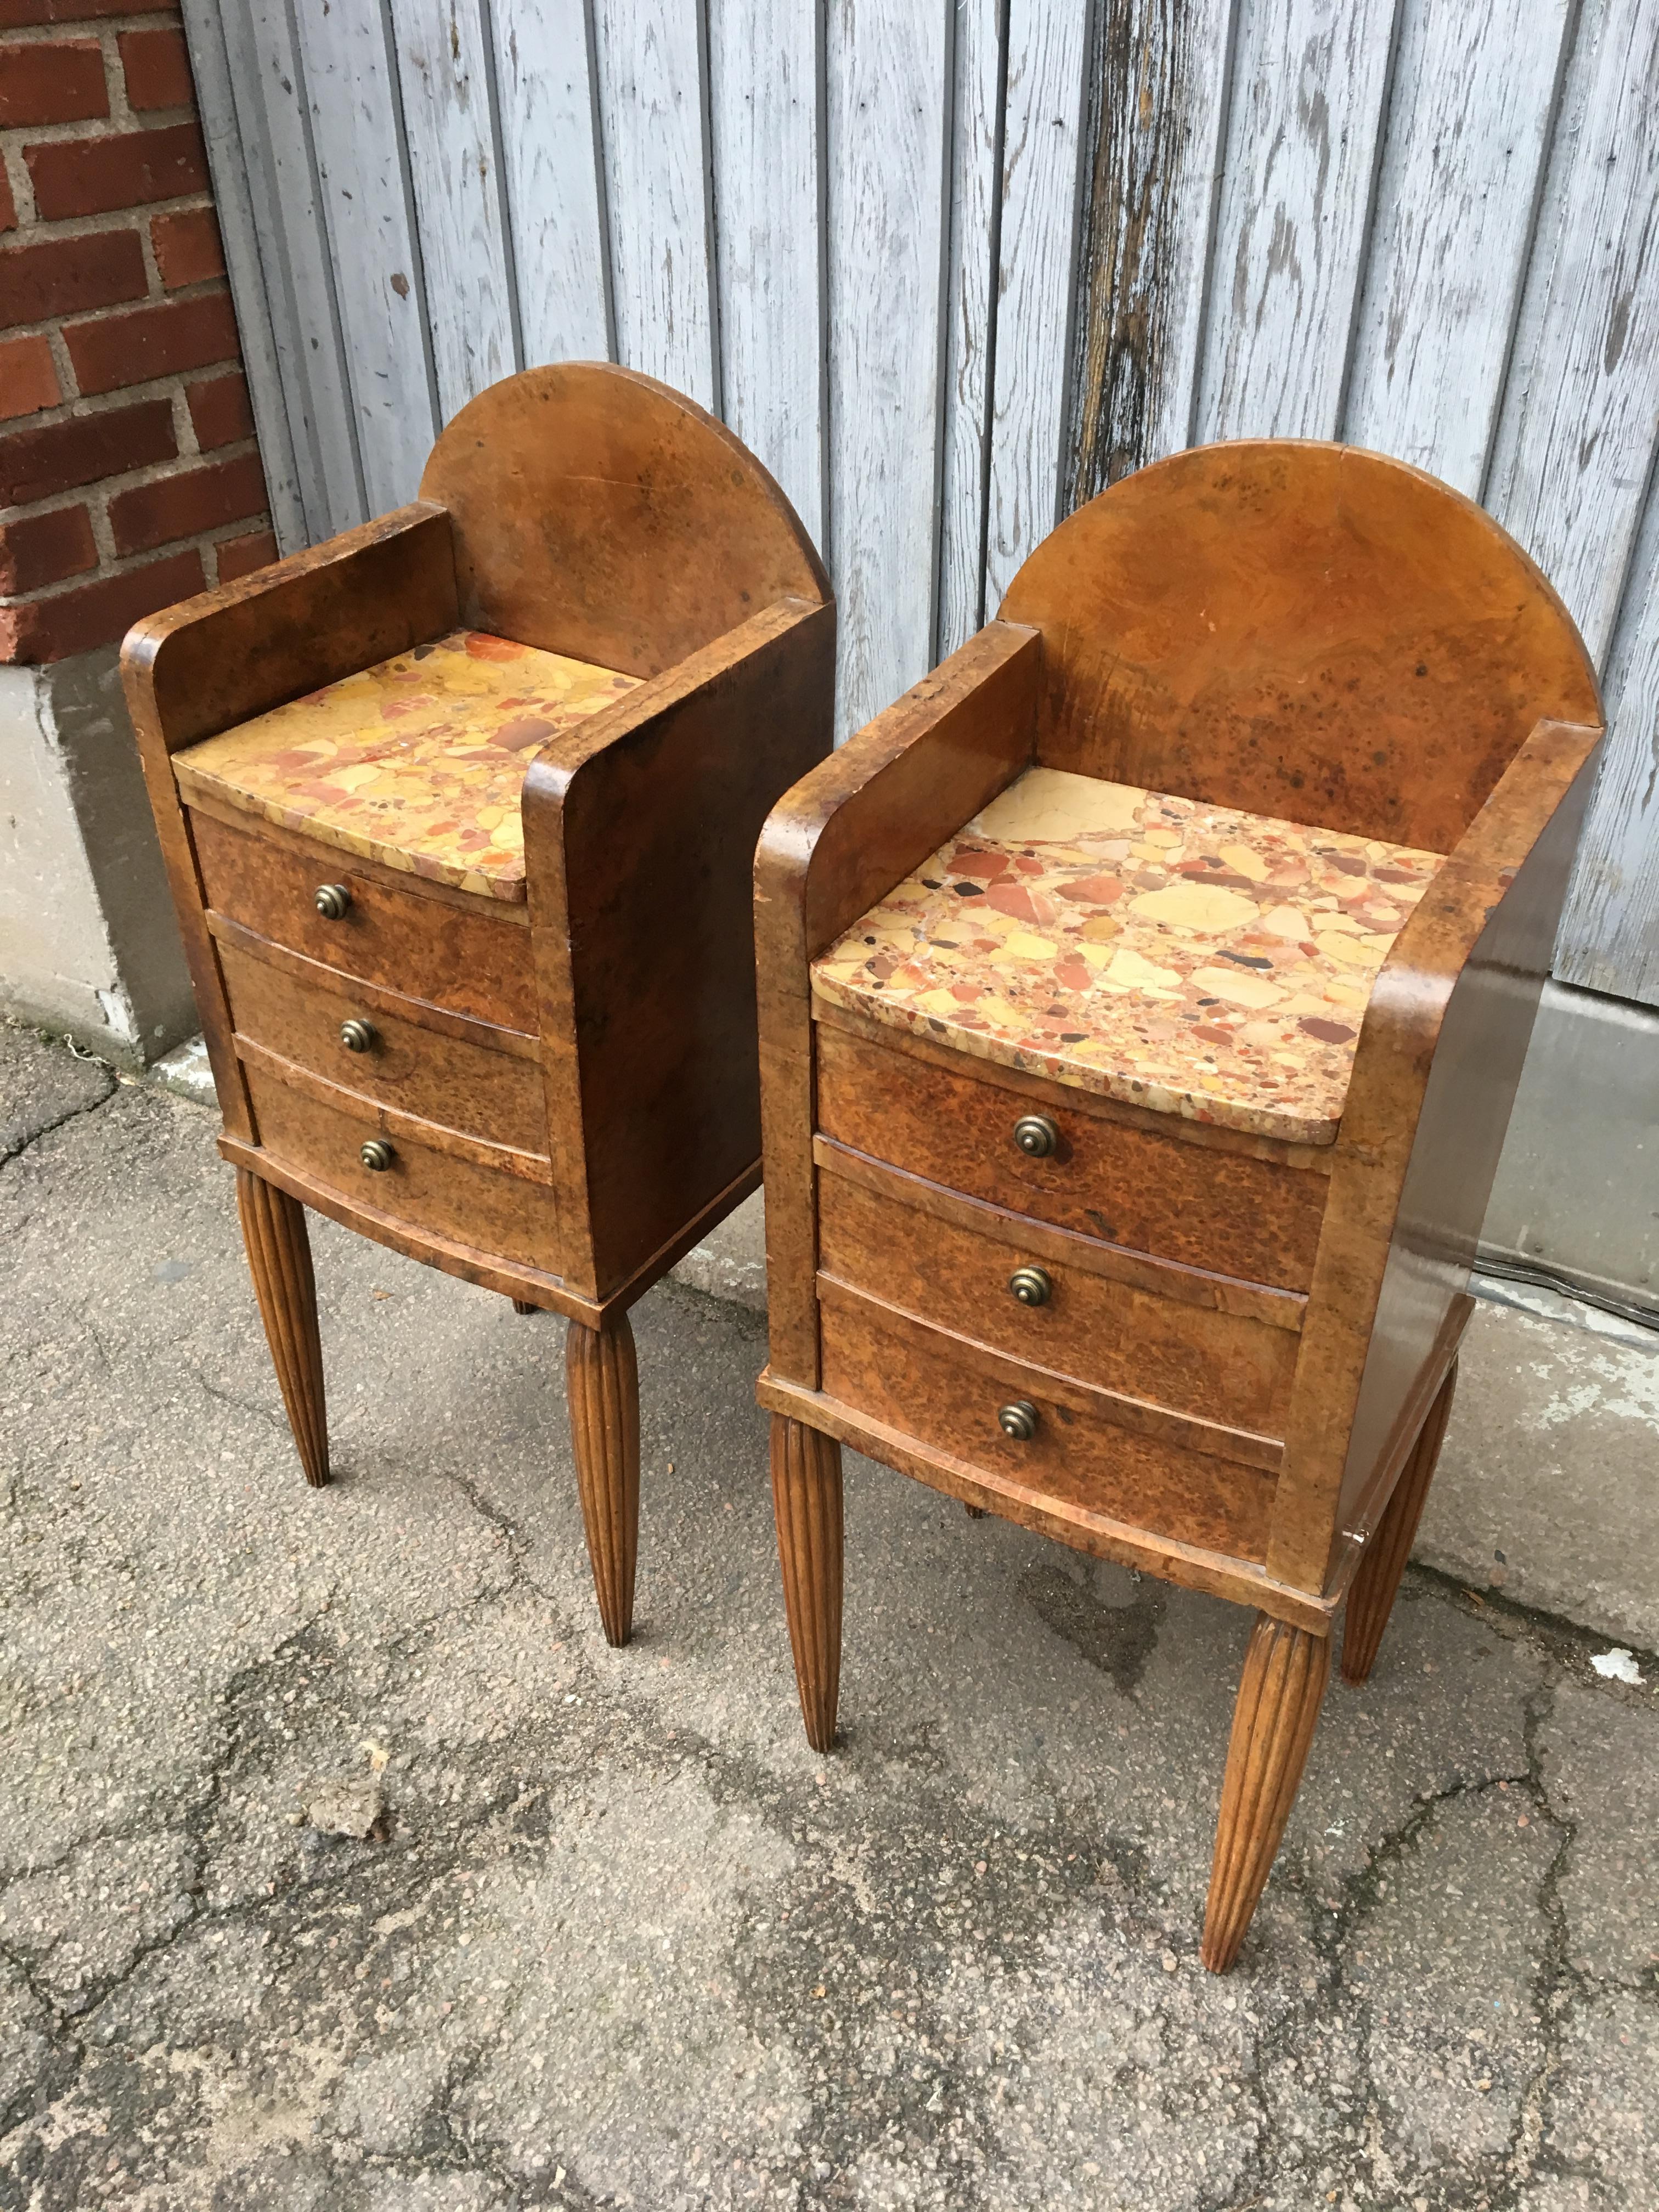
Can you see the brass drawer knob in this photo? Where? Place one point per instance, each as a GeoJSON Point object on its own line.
{"type": "Point", "coordinates": [1017, 1422]}
{"type": "Point", "coordinates": [355, 1035]}
{"type": "Point", "coordinates": [376, 1154]}
{"type": "Point", "coordinates": [1037, 1136]}
{"type": "Point", "coordinates": [1031, 1287]}
{"type": "Point", "coordinates": [331, 901]}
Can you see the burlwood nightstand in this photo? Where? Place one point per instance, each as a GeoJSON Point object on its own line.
{"type": "Point", "coordinates": [458, 811]}
{"type": "Point", "coordinates": [1142, 1001]}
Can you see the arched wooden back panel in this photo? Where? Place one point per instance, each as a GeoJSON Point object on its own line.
{"type": "Point", "coordinates": [599, 513]}
{"type": "Point", "coordinates": [1301, 630]}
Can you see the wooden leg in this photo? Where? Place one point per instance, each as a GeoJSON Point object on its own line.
{"type": "Point", "coordinates": [1371, 1599]}
{"type": "Point", "coordinates": [974, 1512]}
{"type": "Point", "coordinates": [279, 1259]}
{"type": "Point", "coordinates": [1286, 1671]}
{"type": "Point", "coordinates": [602, 1383]}
{"type": "Point", "coordinates": [807, 1498]}
{"type": "Point", "coordinates": [523, 1305]}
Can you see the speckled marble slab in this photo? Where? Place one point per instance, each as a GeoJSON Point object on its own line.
{"type": "Point", "coordinates": [417, 763]}
{"type": "Point", "coordinates": [1177, 956]}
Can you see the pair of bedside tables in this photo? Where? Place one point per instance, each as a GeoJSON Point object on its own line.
{"type": "Point", "coordinates": [1140, 999]}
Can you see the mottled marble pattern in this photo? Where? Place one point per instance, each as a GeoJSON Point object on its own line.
{"type": "Point", "coordinates": [417, 763]}
{"type": "Point", "coordinates": [1180, 956]}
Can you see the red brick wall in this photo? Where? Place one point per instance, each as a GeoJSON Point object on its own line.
{"type": "Point", "coordinates": [129, 476]}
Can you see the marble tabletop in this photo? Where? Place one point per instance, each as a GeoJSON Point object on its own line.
{"type": "Point", "coordinates": [1179, 957]}
{"type": "Point", "coordinates": [417, 763]}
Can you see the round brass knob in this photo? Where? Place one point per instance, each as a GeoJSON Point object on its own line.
{"type": "Point", "coordinates": [1017, 1422]}
{"type": "Point", "coordinates": [376, 1154]}
{"type": "Point", "coordinates": [1031, 1287]}
{"type": "Point", "coordinates": [331, 901]}
{"type": "Point", "coordinates": [355, 1035]}
{"type": "Point", "coordinates": [1037, 1136]}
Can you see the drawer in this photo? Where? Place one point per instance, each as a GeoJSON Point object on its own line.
{"type": "Point", "coordinates": [489, 1094]}
{"type": "Point", "coordinates": [944, 1393]}
{"type": "Point", "coordinates": [1202, 1204]}
{"type": "Point", "coordinates": [485, 1209]}
{"type": "Point", "coordinates": [451, 951]}
{"type": "Point", "coordinates": [1198, 1344]}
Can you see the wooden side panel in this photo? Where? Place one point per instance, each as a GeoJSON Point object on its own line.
{"type": "Point", "coordinates": [1036, 263]}
{"type": "Point", "coordinates": [970, 317]}
{"type": "Point", "coordinates": [445, 73]}
{"type": "Point", "coordinates": [888, 70]}
{"type": "Point", "coordinates": [654, 92]}
{"type": "Point", "coordinates": [1311, 81]}
{"type": "Point", "coordinates": [547, 89]}
{"type": "Point", "coordinates": [768, 154]}
{"type": "Point", "coordinates": [1159, 84]}
{"type": "Point", "coordinates": [1476, 91]}
{"type": "Point", "coordinates": [362, 167]}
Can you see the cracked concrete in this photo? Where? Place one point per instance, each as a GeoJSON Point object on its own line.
{"type": "Point", "coordinates": [618, 1937]}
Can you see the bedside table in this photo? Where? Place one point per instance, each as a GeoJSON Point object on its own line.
{"type": "Point", "coordinates": [1143, 997]}
{"type": "Point", "coordinates": [458, 811]}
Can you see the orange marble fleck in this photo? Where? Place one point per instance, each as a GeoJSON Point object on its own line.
{"type": "Point", "coordinates": [418, 762]}
{"type": "Point", "coordinates": [1177, 956]}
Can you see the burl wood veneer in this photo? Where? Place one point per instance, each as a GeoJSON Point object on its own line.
{"type": "Point", "coordinates": [1142, 1001]}
{"type": "Point", "coordinates": [458, 811]}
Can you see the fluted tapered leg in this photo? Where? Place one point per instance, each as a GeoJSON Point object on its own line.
{"type": "Point", "coordinates": [602, 1383]}
{"type": "Point", "coordinates": [523, 1306]}
{"type": "Point", "coordinates": [1371, 1598]}
{"type": "Point", "coordinates": [1286, 1671]}
{"type": "Point", "coordinates": [807, 1498]}
{"type": "Point", "coordinates": [279, 1259]}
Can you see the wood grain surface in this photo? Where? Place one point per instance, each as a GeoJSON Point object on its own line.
{"type": "Point", "coordinates": [601, 1386]}
{"type": "Point", "coordinates": [279, 1260]}
{"type": "Point", "coordinates": [806, 1499]}
{"type": "Point", "coordinates": [1371, 1598]}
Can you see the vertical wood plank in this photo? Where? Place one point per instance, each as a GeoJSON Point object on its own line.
{"type": "Point", "coordinates": [445, 81]}
{"type": "Point", "coordinates": [653, 100]}
{"type": "Point", "coordinates": [1475, 92]}
{"type": "Point", "coordinates": [888, 64]}
{"type": "Point", "coordinates": [1159, 80]}
{"type": "Point", "coordinates": [1049, 42]}
{"type": "Point", "coordinates": [766, 113]}
{"type": "Point", "coordinates": [547, 79]}
{"type": "Point", "coordinates": [362, 166]}
{"type": "Point", "coordinates": [971, 315]}
{"type": "Point", "coordinates": [1311, 80]}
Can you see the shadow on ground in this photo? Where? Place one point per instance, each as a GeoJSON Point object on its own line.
{"type": "Point", "coordinates": [617, 1937]}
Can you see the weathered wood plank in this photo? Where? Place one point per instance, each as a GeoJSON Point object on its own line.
{"type": "Point", "coordinates": [1476, 91]}
{"type": "Point", "coordinates": [1310, 85]}
{"type": "Point", "coordinates": [351, 84]}
{"type": "Point", "coordinates": [1042, 125]}
{"type": "Point", "coordinates": [1159, 80]}
{"type": "Point", "coordinates": [547, 83]}
{"type": "Point", "coordinates": [654, 95]}
{"type": "Point", "coordinates": [766, 130]}
{"type": "Point", "coordinates": [889, 70]}
{"type": "Point", "coordinates": [970, 318]}
{"type": "Point", "coordinates": [446, 75]}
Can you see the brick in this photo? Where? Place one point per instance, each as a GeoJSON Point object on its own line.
{"type": "Point", "coordinates": [219, 408]}
{"type": "Point", "coordinates": [180, 506]}
{"type": "Point", "coordinates": [157, 66]}
{"type": "Point", "coordinates": [54, 457]}
{"type": "Point", "coordinates": [43, 549]}
{"type": "Point", "coordinates": [28, 377]}
{"type": "Point", "coordinates": [81, 616]}
{"type": "Point", "coordinates": [129, 168]}
{"type": "Point", "coordinates": [113, 350]}
{"type": "Point", "coordinates": [66, 276]}
{"type": "Point", "coordinates": [187, 247]}
{"type": "Point", "coordinates": [57, 80]}
{"type": "Point", "coordinates": [15, 14]}
{"type": "Point", "coordinates": [240, 556]}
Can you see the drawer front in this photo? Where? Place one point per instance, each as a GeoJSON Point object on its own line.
{"type": "Point", "coordinates": [1221, 1366]}
{"type": "Point", "coordinates": [471, 962]}
{"type": "Point", "coordinates": [426, 1191]}
{"type": "Point", "coordinates": [494, 1095]}
{"type": "Point", "coordinates": [1194, 1203]}
{"type": "Point", "coordinates": [930, 1387]}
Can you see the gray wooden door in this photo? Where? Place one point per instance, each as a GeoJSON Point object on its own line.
{"type": "Point", "coordinates": [950, 266]}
